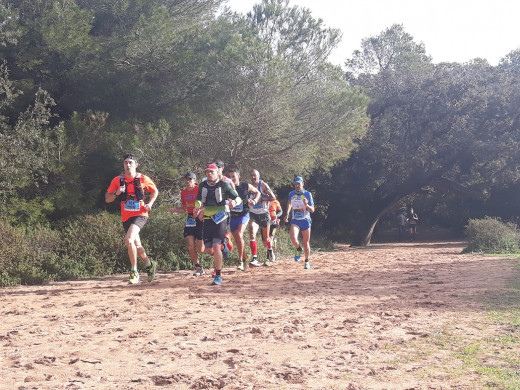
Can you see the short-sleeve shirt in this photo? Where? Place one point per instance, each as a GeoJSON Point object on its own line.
{"type": "Point", "coordinates": [146, 183]}
{"type": "Point", "coordinates": [298, 205]}
{"type": "Point", "coordinates": [188, 198]}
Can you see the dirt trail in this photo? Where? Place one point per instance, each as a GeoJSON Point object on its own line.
{"type": "Point", "coordinates": [353, 321]}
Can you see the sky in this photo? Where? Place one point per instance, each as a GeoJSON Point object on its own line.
{"type": "Point", "coordinates": [451, 30]}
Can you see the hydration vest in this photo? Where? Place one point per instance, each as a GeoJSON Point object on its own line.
{"type": "Point", "coordinates": [138, 188]}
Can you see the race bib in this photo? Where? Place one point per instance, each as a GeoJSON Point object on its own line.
{"type": "Point", "coordinates": [299, 214]}
{"type": "Point", "coordinates": [219, 217]}
{"type": "Point", "coordinates": [190, 222]}
{"type": "Point", "coordinates": [259, 205]}
{"type": "Point", "coordinates": [132, 205]}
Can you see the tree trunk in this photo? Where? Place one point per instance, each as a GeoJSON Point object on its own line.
{"type": "Point", "coordinates": [368, 237]}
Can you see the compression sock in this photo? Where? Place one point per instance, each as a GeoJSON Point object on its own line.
{"type": "Point", "coordinates": [252, 245]}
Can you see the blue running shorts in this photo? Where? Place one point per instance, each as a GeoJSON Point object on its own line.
{"type": "Point", "coordinates": [235, 222]}
{"type": "Point", "coordinates": [303, 224]}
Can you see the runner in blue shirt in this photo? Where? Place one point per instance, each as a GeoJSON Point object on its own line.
{"type": "Point", "coordinates": [302, 205]}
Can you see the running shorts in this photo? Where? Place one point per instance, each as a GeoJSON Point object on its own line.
{"type": "Point", "coordinates": [263, 220]}
{"type": "Point", "coordinates": [195, 231]}
{"type": "Point", "coordinates": [303, 224]}
{"type": "Point", "coordinates": [213, 233]}
{"type": "Point", "coordinates": [139, 221]}
{"type": "Point", "coordinates": [235, 222]}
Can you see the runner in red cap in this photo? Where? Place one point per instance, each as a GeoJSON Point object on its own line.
{"type": "Point", "coordinates": [212, 197]}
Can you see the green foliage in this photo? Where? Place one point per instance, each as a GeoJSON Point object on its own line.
{"type": "Point", "coordinates": [26, 254]}
{"type": "Point", "coordinates": [95, 243]}
{"type": "Point", "coordinates": [435, 130]}
{"type": "Point", "coordinates": [274, 97]}
{"type": "Point", "coordinates": [492, 235]}
{"type": "Point", "coordinates": [163, 239]}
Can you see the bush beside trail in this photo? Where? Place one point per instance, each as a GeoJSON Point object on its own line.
{"type": "Point", "coordinates": [93, 246]}
{"type": "Point", "coordinates": [492, 235]}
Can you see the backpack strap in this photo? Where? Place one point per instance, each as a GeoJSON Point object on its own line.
{"type": "Point", "coordinates": [138, 188]}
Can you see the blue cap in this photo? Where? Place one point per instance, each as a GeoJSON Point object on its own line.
{"type": "Point", "coordinates": [298, 179]}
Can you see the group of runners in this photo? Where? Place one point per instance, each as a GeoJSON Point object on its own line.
{"type": "Point", "coordinates": [214, 207]}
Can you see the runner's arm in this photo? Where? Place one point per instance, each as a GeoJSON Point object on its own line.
{"type": "Point", "coordinates": [181, 210]}
{"type": "Point", "coordinates": [255, 191]}
{"type": "Point", "coordinates": [233, 197]}
{"type": "Point", "coordinates": [289, 207]}
{"type": "Point", "coordinates": [267, 190]}
{"type": "Point", "coordinates": [112, 195]}
{"type": "Point", "coordinates": [309, 203]}
{"type": "Point", "coordinates": [153, 196]}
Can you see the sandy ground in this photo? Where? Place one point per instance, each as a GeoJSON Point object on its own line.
{"type": "Point", "coordinates": [354, 321]}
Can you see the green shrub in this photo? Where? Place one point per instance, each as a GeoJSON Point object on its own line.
{"type": "Point", "coordinates": [163, 239]}
{"type": "Point", "coordinates": [93, 245]}
{"type": "Point", "coordinates": [492, 235]}
{"type": "Point", "coordinates": [25, 253]}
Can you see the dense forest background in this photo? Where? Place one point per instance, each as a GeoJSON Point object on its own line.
{"type": "Point", "coordinates": [180, 82]}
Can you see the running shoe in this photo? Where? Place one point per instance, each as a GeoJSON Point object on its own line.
{"type": "Point", "coordinates": [225, 250]}
{"type": "Point", "coordinates": [254, 262]}
{"type": "Point", "coordinates": [270, 255]}
{"type": "Point", "coordinates": [307, 265]}
{"type": "Point", "coordinates": [297, 253]}
{"type": "Point", "coordinates": [228, 242]}
{"type": "Point", "coordinates": [151, 270]}
{"type": "Point", "coordinates": [217, 280]}
{"type": "Point", "coordinates": [134, 277]}
{"type": "Point", "coordinates": [241, 266]}
{"type": "Point", "coordinates": [199, 271]}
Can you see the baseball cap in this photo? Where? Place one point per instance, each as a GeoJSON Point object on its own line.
{"type": "Point", "coordinates": [190, 175]}
{"type": "Point", "coordinates": [211, 167]}
{"type": "Point", "coordinates": [298, 179]}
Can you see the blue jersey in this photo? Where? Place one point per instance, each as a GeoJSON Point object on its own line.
{"type": "Point", "coordinates": [298, 206]}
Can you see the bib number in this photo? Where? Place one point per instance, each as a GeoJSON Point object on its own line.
{"type": "Point", "coordinates": [219, 217]}
{"type": "Point", "coordinates": [299, 214]}
{"type": "Point", "coordinates": [132, 205]}
{"type": "Point", "coordinates": [190, 222]}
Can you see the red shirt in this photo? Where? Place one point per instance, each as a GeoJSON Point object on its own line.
{"type": "Point", "coordinates": [188, 198]}
{"type": "Point", "coordinates": [146, 183]}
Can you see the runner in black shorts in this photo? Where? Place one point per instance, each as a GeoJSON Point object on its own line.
{"type": "Point", "coordinates": [213, 197]}
{"type": "Point", "coordinates": [260, 217]}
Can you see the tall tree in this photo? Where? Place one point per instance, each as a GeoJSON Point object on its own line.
{"type": "Point", "coordinates": [276, 103]}
{"type": "Point", "coordinates": [433, 128]}
{"type": "Point", "coordinates": [29, 156]}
